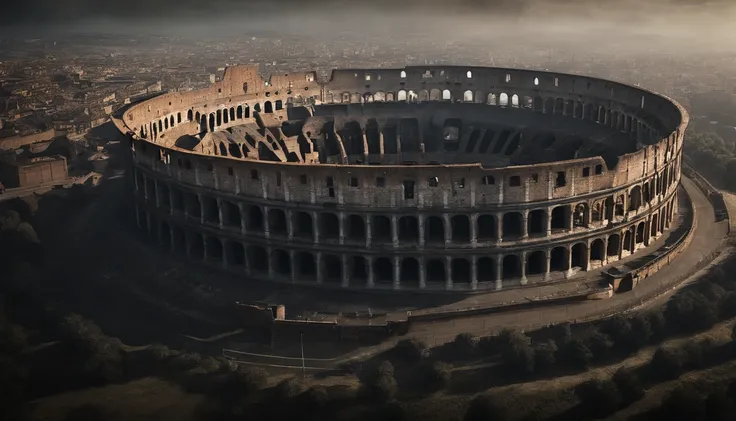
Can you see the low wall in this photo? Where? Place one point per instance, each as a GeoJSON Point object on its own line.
{"type": "Point", "coordinates": [16, 142]}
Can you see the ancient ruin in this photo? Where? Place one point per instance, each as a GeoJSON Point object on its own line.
{"type": "Point", "coordinates": [424, 178]}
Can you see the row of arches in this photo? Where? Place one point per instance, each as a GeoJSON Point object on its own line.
{"type": "Point", "coordinates": [399, 230]}
{"type": "Point", "coordinates": [615, 118]}
{"type": "Point", "coordinates": [355, 270]}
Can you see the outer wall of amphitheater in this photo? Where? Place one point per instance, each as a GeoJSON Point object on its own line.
{"type": "Point", "coordinates": [408, 227]}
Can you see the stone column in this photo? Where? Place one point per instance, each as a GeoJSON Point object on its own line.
{"type": "Point", "coordinates": [474, 229]}
{"type": "Point", "coordinates": [319, 267]}
{"type": "Point", "coordinates": [315, 227]}
{"type": "Point", "coordinates": [422, 273]}
{"type": "Point", "coordinates": [570, 217]}
{"type": "Point", "coordinates": [524, 224]}
{"type": "Point", "coordinates": [201, 209]}
{"type": "Point", "coordinates": [447, 223]}
{"type": "Point", "coordinates": [499, 271]}
{"type": "Point", "coordinates": [420, 220]}
{"type": "Point", "coordinates": [370, 282]}
{"type": "Point", "coordinates": [220, 215]}
{"type": "Point", "coordinates": [474, 273]}
{"type": "Point", "coordinates": [448, 273]}
{"type": "Point", "coordinates": [368, 233]}
{"type": "Point", "coordinates": [395, 230]}
{"type": "Point", "coordinates": [225, 262]}
{"type": "Point", "coordinates": [547, 269]}
{"type": "Point", "coordinates": [549, 221]}
{"type": "Point", "coordinates": [292, 258]}
{"type": "Point", "coordinates": [270, 263]}
{"type": "Point", "coordinates": [341, 220]}
{"type": "Point", "coordinates": [523, 279]}
{"type": "Point", "coordinates": [243, 218]}
{"type": "Point", "coordinates": [397, 272]}
{"type": "Point", "coordinates": [266, 228]}
{"type": "Point", "coordinates": [289, 224]}
{"type": "Point", "coordinates": [345, 271]}
{"type": "Point", "coordinates": [499, 227]}
{"type": "Point", "coordinates": [157, 193]}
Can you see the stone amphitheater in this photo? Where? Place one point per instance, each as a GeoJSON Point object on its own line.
{"type": "Point", "coordinates": [433, 179]}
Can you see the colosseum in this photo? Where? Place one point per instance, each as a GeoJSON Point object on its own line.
{"type": "Point", "coordinates": [452, 179]}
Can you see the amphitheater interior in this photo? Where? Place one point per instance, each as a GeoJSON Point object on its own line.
{"type": "Point", "coordinates": [445, 179]}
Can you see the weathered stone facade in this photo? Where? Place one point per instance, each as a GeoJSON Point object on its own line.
{"type": "Point", "coordinates": [367, 194]}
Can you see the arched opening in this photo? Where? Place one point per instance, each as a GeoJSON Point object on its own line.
{"type": "Point", "coordinates": [203, 124]}
{"type": "Point", "coordinates": [460, 228]}
{"type": "Point", "coordinates": [486, 228]}
{"type": "Point", "coordinates": [597, 213]}
{"type": "Point", "coordinates": [379, 96]}
{"type": "Point", "coordinates": [654, 226]}
{"type": "Point", "coordinates": [492, 99]}
{"type": "Point", "coordinates": [381, 229]}
{"type": "Point", "coordinates": [511, 267]}
{"type": "Point", "coordinates": [558, 259]}
{"type": "Point", "coordinates": [486, 269]}
{"type": "Point", "coordinates": [423, 96]}
{"type": "Point", "coordinates": [255, 219]}
{"type": "Point", "coordinates": [358, 269]}
{"type": "Point", "coordinates": [277, 225]}
{"type": "Point", "coordinates": [579, 256]}
{"type": "Point", "coordinates": [515, 101]}
{"type": "Point", "coordinates": [383, 270]}
{"type": "Point", "coordinates": [512, 225]}
{"type": "Point", "coordinates": [225, 116]}
{"type": "Point", "coordinates": [166, 123]}
{"type": "Point", "coordinates": [436, 271]}
{"type": "Point", "coordinates": [580, 215]}
{"type": "Point", "coordinates": [408, 230]}
{"type": "Point", "coordinates": [401, 95]}
{"type": "Point", "coordinates": [279, 105]}
{"type": "Point", "coordinates": [478, 98]}
{"type": "Point", "coordinates": [239, 112]}
{"type": "Point", "coordinates": [628, 241]}
{"type": "Point", "coordinates": [231, 214]}
{"type": "Point", "coordinates": [329, 226]}
{"type": "Point", "coordinates": [468, 96]}
{"type": "Point", "coordinates": [218, 116]}
{"type": "Point", "coordinates": [212, 122]}
{"type": "Point", "coordinates": [223, 149]}
{"type": "Point", "coordinates": [281, 263]}
{"type": "Point", "coordinates": [235, 254]}
{"type": "Point", "coordinates": [461, 270]}
{"type": "Point", "coordinates": [214, 250]}
{"type": "Point", "coordinates": [196, 247]}
{"type": "Point", "coordinates": [613, 249]}
{"type": "Point", "coordinates": [435, 95]}
{"type": "Point", "coordinates": [190, 115]}
{"type": "Point", "coordinates": [305, 266]}
{"type": "Point", "coordinates": [537, 222]}
{"type": "Point", "coordinates": [410, 271]}
{"type": "Point", "coordinates": [193, 206]}
{"type": "Point", "coordinates": [356, 228]}
{"type": "Point", "coordinates": [234, 150]}
{"type": "Point", "coordinates": [303, 226]}
{"type": "Point", "coordinates": [211, 210]}
{"type": "Point", "coordinates": [635, 198]}
{"type": "Point", "coordinates": [446, 95]}
{"type": "Point", "coordinates": [640, 231]}
{"type": "Point", "coordinates": [503, 100]}
{"type": "Point", "coordinates": [268, 107]}
{"type": "Point", "coordinates": [617, 209]}
{"type": "Point", "coordinates": [332, 268]}
{"type": "Point", "coordinates": [257, 107]}
{"type": "Point", "coordinates": [536, 263]}
{"type": "Point", "coordinates": [258, 259]}
{"type": "Point", "coordinates": [560, 218]}
{"type": "Point", "coordinates": [597, 251]}
{"type": "Point", "coordinates": [434, 230]}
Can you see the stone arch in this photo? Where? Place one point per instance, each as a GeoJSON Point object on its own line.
{"type": "Point", "coordinates": [281, 263]}
{"type": "Point", "coordinates": [598, 250]}
{"type": "Point", "coordinates": [619, 208]}
{"type": "Point", "coordinates": [211, 210]}
{"type": "Point", "coordinates": [461, 272]}
{"type": "Point", "coordinates": [628, 244]}
{"type": "Point", "coordinates": [559, 107]}
{"type": "Point", "coordinates": [239, 112]}
{"type": "Point", "coordinates": [235, 252]}
{"type": "Point", "coordinates": [222, 149]}
{"type": "Point", "coordinates": [537, 222]}
{"type": "Point", "coordinates": [212, 122]}
{"type": "Point", "coordinates": [468, 96]}
{"type": "Point", "coordinates": [277, 224]}
{"type": "Point", "coordinates": [549, 106]}
{"type": "Point", "coordinates": [408, 229]}
{"type": "Point", "coordinates": [598, 212]}
{"type": "Point", "coordinates": [303, 225]}
{"type": "Point", "coordinates": [559, 259]}
{"type": "Point", "coordinates": [258, 259]}
{"type": "Point", "coordinates": [190, 115]}
{"type": "Point", "coordinates": [634, 198]}
{"type": "Point", "coordinates": [410, 271]}
{"type": "Point", "coordinates": [580, 215]}
{"type": "Point", "coordinates": [383, 270]}
{"type": "Point", "coordinates": [379, 96]}
{"type": "Point", "coordinates": [478, 98]}
{"type": "Point", "coordinates": [512, 224]}
{"type": "Point", "coordinates": [569, 108]}
{"type": "Point", "coordinates": [329, 226]}
{"type": "Point", "coordinates": [434, 230]}
{"type": "Point", "coordinates": [486, 227]}
{"type": "Point", "coordinates": [358, 268]}
{"type": "Point", "coordinates": [196, 246]}
{"type": "Point", "coordinates": [306, 266]}
{"type": "Point", "coordinates": [511, 267]}
{"type": "Point", "coordinates": [332, 268]}
{"type": "Point", "coordinates": [234, 150]}
{"type": "Point", "coordinates": [356, 228]}
{"type": "Point", "coordinates": [560, 218]}
{"type": "Point", "coordinates": [579, 255]}
{"type": "Point", "coordinates": [268, 107]}
{"type": "Point", "coordinates": [446, 95]}
{"type": "Point", "coordinates": [436, 271]}
{"type": "Point", "coordinates": [613, 248]}
{"type": "Point", "coordinates": [218, 117]}
{"type": "Point", "coordinates": [515, 101]}
{"type": "Point", "coordinates": [536, 262]}
{"type": "Point", "coordinates": [401, 95]}
{"type": "Point", "coordinates": [225, 116]}
{"type": "Point", "coordinates": [527, 102]}
{"type": "Point", "coordinates": [435, 95]}
{"type": "Point", "coordinates": [654, 225]}
{"type": "Point", "coordinates": [423, 95]}
{"type": "Point", "coordinates": [640, 233]}
{"type": "Point", "coordinates": [486, 268]}
{"type": "Point", "coordinates": [460, 225]}
{"type": "Point", "coordinates": [491, 100]}
{"type": "Point", "coordinates": [381, 229]}
{"type": "Point", "coordinates": [503, 100]}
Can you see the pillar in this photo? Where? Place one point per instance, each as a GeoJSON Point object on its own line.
{"type": "Point", "coordinates": [570, 217]}
{"type": "Point", "coordinates": [395, 230]}
{"type": "Point", "coordinates": [524, 222]}
{"type": "Point", "coordinates": [315, 227]}
{"type": "Point", "coordinates": [319, 267]}
{"type": "Point", "coordinates": [448, 273]}
{"type": "Point", "coordinates": [341, 221]}
{"type": "Point", "coordinates": [447, 225]}
{"type": "Point", "coordinates": [225, 262]}
{"type": "Point", "coordinates": [201, 209]}
{"type": "Point", "coordinates": [422, 273]}
{"type": "Point", "coordinates": [266, 228]}
{"type": "Point", "coordinates": [474, 230]}
{"type": "Point", "coordinates": [370, 282]}
{"type": "Point", "coordinates": [523, 279]}
{"type": "Point", "coordinates": [397, 272]}
{"type": "Point", "coordinates": [270, 263]}
{"type": "Point", "coordinates": [548, 255]}
{"type": "Point", "coordinates": [292, 258]}
{"type": "Point", "coordinates": [158, 194]}
{"type": "Point", "coordinates": [420, 219]}
{"type": "Point", "coordinates": [243, 218]}
{"type": "Point", "coordinates": [499, 271]}
{"type": "Point", "coordinates": [220, 213]}
{"type": "Point", "coordinates": [368, 233]}
{"type": "Point", "coordinates": [474, 273]}
{"type": "Point", "coordinates": [345, 271]}
{"type": "Point", "coordinates": [289, 224]}
{"type": "Point", "coordinates": [499, 227]}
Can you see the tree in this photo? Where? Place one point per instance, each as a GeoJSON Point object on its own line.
{"type": "Point", "coordinates": [599, 397]}
{"type": "Point", "coordinates": [373, 371]}
{"type": "Point", "coordinates": [314, 399]}
{"type": "Point", "coordinates": [382, 389]}
{"type": "Point", "coordinates": [289, 388]}
{"type": "Point", "coordinates": [641, 329]}
{"type": "Point", "coordinates": [436, 376]}
{"type": "Point", "coordinates": [545, 356]}
{"type": "Point", "coordinates": [719, 407]}
{"type": "Point", "coordinates": [600, 344]}
{"type": "Point", "coordinates": [629, 385]}
{"type": "Point", "coordinates": [466, 345]}
{"type": "Point", "coordinates": [411, 349]}
{"type": "Point", "coordinates": [486, 408]}
{"type": "Point", "coordinates": [730, 176]}
{"type": "Point", "coordinates": [683, 403]}
{"type": "Point", "coordinates": [516, 350]}
{"type": "Point", "coordinates": [667, 363]}
{"type": "Point", "coordinates": [576, 353]}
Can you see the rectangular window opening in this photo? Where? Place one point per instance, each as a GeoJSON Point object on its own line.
{"type": "Point", "coordinates": [586, 172]}
{"type": "Point", "coordinates": [561, 179]}
{"type": "Point", "coordinates": [433, 181]}
{"type": "Point", "coordinates": [254, 174]}
{"type": "Point", "coordinates": [380, 182]}
{"type": "Point", "coordinates": [353, 181]}
{"type": "Point", "coordinates": [408, 189]}
{"type": "Point", "coordinates": [598, 169]}
{"type": "Point", "coordinates": [515, 181]}
{"type": "Point", "coordinates": [303, 179]}
{"type": "Point", "coordinates": [278, 179]}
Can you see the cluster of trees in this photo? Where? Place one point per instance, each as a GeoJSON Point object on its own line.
{"type": "Point", "coordinates": [712, 156]}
